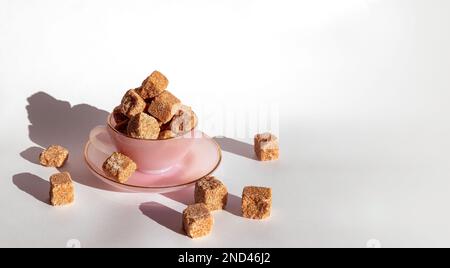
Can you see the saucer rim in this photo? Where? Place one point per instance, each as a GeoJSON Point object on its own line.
{"type": "Point", "coordinates": [219, 150]}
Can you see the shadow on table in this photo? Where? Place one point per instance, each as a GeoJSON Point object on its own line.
{"type": "Point", "coordinates": [32, 154]}
{"type": "Point", "coordinates": [33, 185]}
{"type": "Point", "coordinates": [183, 196]}
{"type": "Point", "coordinates": [234, 205]}
{"type": "Point", "coordinates": [165, 216]}
{"type": "Point", "coordinates": [54, 121]}
{"type": "Point", "coordinates": [236, 147]}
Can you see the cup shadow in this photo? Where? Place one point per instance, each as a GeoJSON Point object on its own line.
{"type": "Point", "coordinates": [33, 185]}
{"type": "Point", "coordinates": [165, 216]}
{"type": "Point", "coordinates": [54, 121]}
{"type": "Point", "coordinates": [236, 147]}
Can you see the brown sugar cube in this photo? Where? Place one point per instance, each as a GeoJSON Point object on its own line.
{"type": "Point", "coordinates": [266, 147]}
{"type": "Point", "coordinates": [197, 220]}
{"type": "Point", "coordinates": [183, 121]}
{"type": "Point", "coordinates": [256, 202]}
{"type": "Point", "coordinates": [120, 167]}
{"type": "Point", "coordinates": [153, 85]}
{"type": "Point", "coordinates": [132, 103]}
{"type": "Point", "coordinates": [54, 156]}
{"type": "Point", "coordinates": [166, 134]}
{"type": "Point", "coordinates": [164, 106]}
{"type": "Point", "coordinates": [211, 192]}
{"type": "Point", "coordinates": [118, 116]}
{"type": "Point", "coordinates": [61, 189]}
{"type": "Point", "coordinates": [143, 126]}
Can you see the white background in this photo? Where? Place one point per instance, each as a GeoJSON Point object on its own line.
{"type": "Point", "coordinates": [363, 93]}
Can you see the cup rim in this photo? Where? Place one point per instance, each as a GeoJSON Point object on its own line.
{"type": "Point", "coordinates": [149, 140]}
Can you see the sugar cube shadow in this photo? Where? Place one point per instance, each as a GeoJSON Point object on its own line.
{"type": "Point", "coordinates": [236, 147]}
{"type": "Point", "coordinates": [234, 205]}
{"type": "Point", "coordinates": [33, 185]}
{"type": "Point", "coordinates": [163, 215]}
{"type": "Point", "coordinates": [54, 121]}
{"type": "Point", "coordinates": [32, 154]}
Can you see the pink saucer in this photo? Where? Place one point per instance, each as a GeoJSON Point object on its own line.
{"type": "Point", "coordinates": [203, 158]}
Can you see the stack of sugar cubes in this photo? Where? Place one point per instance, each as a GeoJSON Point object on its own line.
{"type": "Point", "coordinates": [152, 112]}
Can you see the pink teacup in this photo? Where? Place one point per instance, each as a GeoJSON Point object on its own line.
{"type": "Point", "coordinates": [151, 156]}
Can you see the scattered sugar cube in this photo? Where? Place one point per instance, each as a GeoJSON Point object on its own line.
{"type": "Point", "coordinates": [197, 220]}
{"type": "Point", "coordinates": [54, 156]}
{"type": "Point", "coordinates": [256, 202]}
{"type": "Point", "coordinates": [164, 106]}
{"type": "Point", "coordinates": [120, 167]}
{"type": "Point", "coordinates": [143, 126]}
{"type": "Point", "coordinates": [61, 189]}
{"type": "Point", "coordinates": [132, 103]}
{"type": "Point", "coordinates": [266, 147]}
{"type": "Point", "coordinates": [153, 85]}
{"type": "Point", "coordinates": [211, 192]}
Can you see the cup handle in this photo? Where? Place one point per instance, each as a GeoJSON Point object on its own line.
{"type": "Point", "coordinates": [98, 143]}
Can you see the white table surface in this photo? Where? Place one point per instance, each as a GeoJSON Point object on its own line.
{"type": "Point", "coordinates": [359, 92]}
